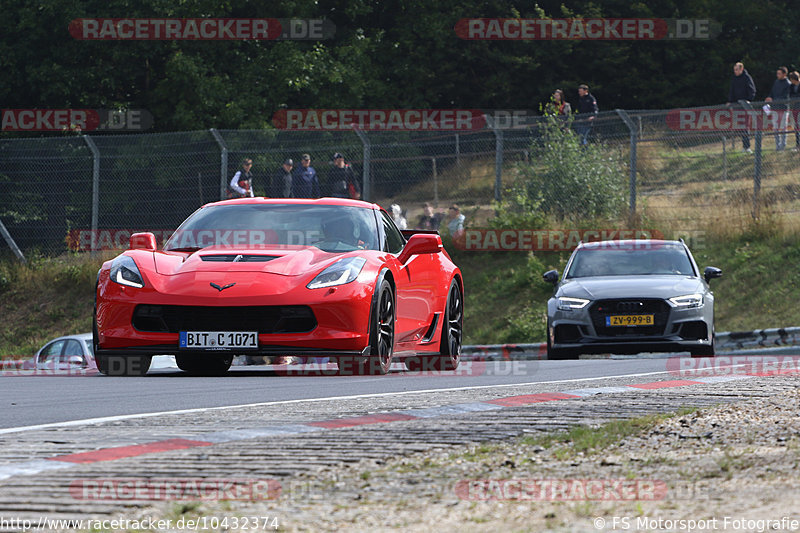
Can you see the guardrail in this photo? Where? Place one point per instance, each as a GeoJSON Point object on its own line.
{"type": "Point", "coordinates": [726, 341]}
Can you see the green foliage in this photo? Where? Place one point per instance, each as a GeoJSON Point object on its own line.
{"type": "Point", "coordinates": [568, 180]}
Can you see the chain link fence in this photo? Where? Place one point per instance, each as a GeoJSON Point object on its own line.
{"type": "Point", "coordinates": [674, 169]}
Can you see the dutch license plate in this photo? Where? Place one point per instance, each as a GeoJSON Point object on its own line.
{"type": "Point", "coordinates": [629, 320]}
{"type": "Point", "coordinates": [218, 340]}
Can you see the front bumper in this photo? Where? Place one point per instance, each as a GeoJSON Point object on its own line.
{"type": "Point", "coordinates": [675, 329]}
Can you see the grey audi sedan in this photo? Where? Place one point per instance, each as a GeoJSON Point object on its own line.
{"type": "Point", "coordinates": [628, 297]}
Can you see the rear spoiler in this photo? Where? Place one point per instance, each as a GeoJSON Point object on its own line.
{"type": "Point", "coordinates": [409, 232]}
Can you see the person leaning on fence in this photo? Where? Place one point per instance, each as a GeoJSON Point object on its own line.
{"type": "Point", "coordinates": [587, 111]}
{"type": "Point", "coordinates": [780, 93]}
{"type": "Point", "coordinates": [305, 183]}
{"type": "Point", "coordinates": [742, 88]}
{"type": "Point", "coordinates": [794, 106]}
{"type": "Point", "coordinates": [342, 182]}
{"type": "Point", "coordinates": [282, 181]}
{"type": "Point", "coordinates": [241, 184]}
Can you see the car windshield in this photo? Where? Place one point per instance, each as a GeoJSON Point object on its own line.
{"type": "Point", "coordinates": [661, 259]}
{"type": "Point", "coordinates": [332, 228]}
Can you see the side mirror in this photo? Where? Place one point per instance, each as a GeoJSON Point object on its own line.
{"type": "Point", "coordinates": [712, 272]}
{"type": "Point", "coordinates": [421, 243]}
{"type": "Point", "coordinates": [143, 241]}
{"type": "Point", "coordinates": [551, 276]}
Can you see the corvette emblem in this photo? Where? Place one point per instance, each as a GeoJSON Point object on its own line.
{"type": "Point", "coordinates": [223, 287]}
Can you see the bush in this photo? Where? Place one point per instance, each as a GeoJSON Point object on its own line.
{"type": "Point", "coordinates": [567, 180]}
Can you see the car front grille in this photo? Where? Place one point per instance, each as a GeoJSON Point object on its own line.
{"type": "Point", "coordinates": [263, 319]}
{"type": "Point", "coordinates": [629, 306]}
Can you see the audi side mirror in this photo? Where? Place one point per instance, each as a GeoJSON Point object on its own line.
{"type": "Point", "coordinates": [711, 272]}
{"type": "Point", "coordinates": [551, 276]}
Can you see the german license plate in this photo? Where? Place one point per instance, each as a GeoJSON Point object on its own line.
{"type": "Point", "coordinates": [629, 320]}
{"type": "Point", "coordinates": [218, 340]}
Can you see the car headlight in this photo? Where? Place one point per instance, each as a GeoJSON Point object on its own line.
{"type": "Point", "coordinates": [689, 301]}
{"type": "Point", "coordinates": [341, 272]}
{"type": "Point", "coordinates": [125, 272]}
{"type": "Point", "coordinates": [568, 304]}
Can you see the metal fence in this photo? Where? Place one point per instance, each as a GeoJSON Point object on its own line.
{"type": "Point", "coordinates": [678, 169]}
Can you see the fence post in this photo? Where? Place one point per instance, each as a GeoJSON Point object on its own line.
{"type": "Point", "coordinates": [11, 243]}
{"type": "Point", "coordinates": [634, 141]}
{"type": "Point", "coordinates": [757, 158]}
{"type": "Point", "coordinates": [498, 157]}
{"type": "Point", "coordinates": [435, 183]}
{"type": "Point", "coordinates": [95, 188]}
{"type": "Point", "coordinates": [366, 191]}
{"type": "Point", "coordinates": [223, 170]}
{"type": "Point", "coordinates": [458, 150]}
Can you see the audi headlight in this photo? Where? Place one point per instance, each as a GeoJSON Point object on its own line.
{"type": "Point", "coordinates": [569, 304]}
{"type": "Point", "coordinates": [341, 272]}
{"type": "Point", "coordinates": [125, 272]}
{"type": "Point", "coordinates": [690, 301]}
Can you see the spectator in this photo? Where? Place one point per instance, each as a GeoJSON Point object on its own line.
{"type": "Point", "coordinates": [742, 88]}
{"type": "Point", "coordinates": [587, 105]}
{"type": "Point", "coordinates": [780, 91]}
{"type": "Point", "coordinates": [305, 183]}
{"type": "Point", "coordinates": [794, 94]}
{"type": "Point", "coordinates": [241, 184]}
{"type": "Point", "coordinates": [397, 215]}
{"type": "Point", "coordinates": [455, 221]}
{"type": "Point", "coordinates": [342, 181]}
{"type": "Point", "coordinates": [557, 105]}
{"type": "Point", "coordinates": [429, 220]}
{"type": "Point", "coordinates": [282, 181]}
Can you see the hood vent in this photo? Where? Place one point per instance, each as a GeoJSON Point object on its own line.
{"type": "Point", "coordinates": [238, 258]}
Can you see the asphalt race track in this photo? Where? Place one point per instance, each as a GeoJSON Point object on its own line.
{"type": "Point", "coordinates": [35, 400]}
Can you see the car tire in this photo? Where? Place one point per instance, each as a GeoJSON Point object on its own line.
{"type": "Point", "coordinates": [557, 354]}
{"type": "Point", "coordinates": [452, 335]}
{"type": "Point", "coordinates": [381, 336]}
{"type": "Point", "coordinates": [123, 365]}
{"type": "Point", "coordinates": [204, 364]}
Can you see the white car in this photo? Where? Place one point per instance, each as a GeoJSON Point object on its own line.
{"type": "Point", "coordinates": [67, 352]}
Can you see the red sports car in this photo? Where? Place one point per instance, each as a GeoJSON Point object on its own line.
{"type": "Point", "coordinates": [327, 277]}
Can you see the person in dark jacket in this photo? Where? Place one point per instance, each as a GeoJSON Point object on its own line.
{"type": "Point", "coordinates": [342, 182]}
{"type": "Point", "coordinates": [281, 186]}
{"type": "Point", "coordinates": [777, 97]}
{"type": "Point", "coordinates": [587, 111]}
{"type": "Point", "coordinates": [305, 183]}
{"type": "Point", "coordinates": [794, 104]}
{"type": "Point", "coordinates": [742, 88]}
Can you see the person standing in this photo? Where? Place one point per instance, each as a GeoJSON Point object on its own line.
{"type": "Point", "coordinates": [305, 183]}
{"type": "Point", "coordinates": [794, 106]}
{"type": "Point", "coordinates": [780, 93]}
{"type": "Point", "coordinates": [742, 88]}
{"type": "Point", "coordinates": [455, 221]}
{"type": "Point", "coordinates": [557, 105]}
{"type": "Point", "coordinates": [281, 186]}
{"type": "Point", "coordinates": [241, 184]}
{"type": "Point", "coordinates": [429, 220]}
{"type": "Point", "coordinates": [342, 182]}
{"type": "Point", "coordinates": [587, 108]}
